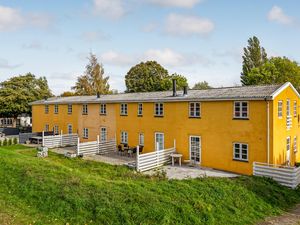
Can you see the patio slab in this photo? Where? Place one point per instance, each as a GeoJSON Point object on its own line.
{"type": "Point", "coordinates": [112, 158]}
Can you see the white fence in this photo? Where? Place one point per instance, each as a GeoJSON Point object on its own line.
{"type": "Point", "coordinates": [285, 175]}
{"type": "Point", "coordinates": [96, 147]}
{"type": "Point", "coordinates": [152, 160]}
{"type": "Point", "coordinates": [54, 141]}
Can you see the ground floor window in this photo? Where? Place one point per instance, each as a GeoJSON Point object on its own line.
{"type": "Point", "coordinates": [70, 129]}
{"type": "Point", "coordinates": [85, 133]}
{"type": "Point", "coordinates": [295, 144]}
{"type": "Point", "coordinates": [141, 139]}
{"type": "Point", "coordinates": [47, 127]}
{"type": "Point", "coordinates": [56, 130]}
{"type": "Point", "coordinates": [240, 151]}
{"type": "Point", "coordinates": [103, 134]}
{"type": "Point", "coordinates": [124, 137]}
{"type": "Point", "coordinates": [195, 148]}
{"type": "Point", "coordinates": [288, 148]}
{"type": "Point", "coordinates": [159, 141]}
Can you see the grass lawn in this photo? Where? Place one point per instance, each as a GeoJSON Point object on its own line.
{"type": "Point", "coordinates": [57, 190]}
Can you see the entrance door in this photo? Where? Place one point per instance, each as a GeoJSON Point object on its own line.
{"type": "Point", "coordinates": [159, 141]}
{"type": "Point", "coordinates": [195, 149]}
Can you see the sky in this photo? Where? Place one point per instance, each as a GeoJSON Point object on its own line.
{"type": "Point", "coordinates": [200, 39]}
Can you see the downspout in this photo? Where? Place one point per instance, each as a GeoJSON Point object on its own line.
{"type": "Point", "coordinates": [268, 131]}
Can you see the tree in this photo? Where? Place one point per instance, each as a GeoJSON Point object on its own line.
{"type": "Point", "coordinates": [67, 94]}
{"type": "Point", "coordinates": [147, 76]}
{"type": "Point", "coordinates": [201, 85]}
{"type": "Point", "coordinates": [254, 56]}
{"type": "Point", "coordinates": [17, 92]}
{"type": "Point", "coordinates": [276, 71]}
{"type": "Point", "coordinates": [93, 80]}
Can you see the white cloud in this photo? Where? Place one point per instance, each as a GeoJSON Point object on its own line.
{"type": "Point", "coordinates": [92, 36]}
{"type": "Point", "coordinates": [116, 58]}
{"type": "Point", "coordinates": [182, 25]}
{"type": "Point", "coordinates": [4, 64]}
{"type": "Point", "coordinates": [175, 3]}
{"type": "Point", "coordinates": [165, 57]}
{"type": "Point", "coordinates": [12, 19]}
{"type": "Point", "coordinates": [34, 45]}
{"type": "Point", "coordinates": [111, 9]}
{"type": "Point", "coordinates": [277, 14]}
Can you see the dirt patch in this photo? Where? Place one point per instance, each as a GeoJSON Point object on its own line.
{"type": "Point", "coordinates": [289, 218]}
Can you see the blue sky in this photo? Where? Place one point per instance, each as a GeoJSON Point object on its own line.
{"type": "Point", "coordinates": [201, 39]}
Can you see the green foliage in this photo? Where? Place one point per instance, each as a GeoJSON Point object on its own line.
{"type": "Point", "coordinates": [203, 85]}
{"type": "Point", "coordinates": [147, 76]}
{"type": "Point", "coordinates": [5, 143]}
{"type": "Point", "coordinates": [0, 143]}
{"type": "Point", "coordinates": [17, 92]}
{"type": "Point", "coordinates": [15, 141]}
{"type": "Point", "coordinates": [9, 142]}
{"type": "Point", "coordinates": [277, 70]}
{"type": "Point", "coordinates": [93, 80]}
{"type": "Point", "coordinates": [254, 56]}
{"type": "Point", "coordinates": [57, 190]}
{"type": "Point", "coordinates": [67, 94]}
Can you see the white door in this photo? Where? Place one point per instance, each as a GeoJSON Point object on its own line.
{"type": "Point", "coordinates": [195, 149]}
{"type": "Point", "coordinates": [159, 141]}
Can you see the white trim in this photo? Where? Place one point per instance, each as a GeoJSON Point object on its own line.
{"type": "Point", "coordinates": [124, 113]}
{"type": "Point", "coordinates": [103, 134]}
{"type": "Point", "coordinates": [141, 134]}
{"type": "Point", "coordinates": [163, 109]}
{"type": "Point", "coordinates": [284, 86]}
{"type": "Point", "coordinates": [280, 101]}
{"type": "Point", "coordinates": [200, 147]}
{"type": "Point", "coordinates": [124, 137]}
{"type": "Point", "coordinates": [241, 111]}
{"type": "Point", "coordinates": [240, 151]}
{"type": "Point", "coordinates": [194, 116]}
{"type": "Point", "coordinates": [155, 140]}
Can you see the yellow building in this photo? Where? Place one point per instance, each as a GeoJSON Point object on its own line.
{"type": "Point", "coordinates": [222, 128]}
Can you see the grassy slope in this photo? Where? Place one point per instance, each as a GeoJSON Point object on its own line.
{"type": "Point", "coordinates": [57, 190]}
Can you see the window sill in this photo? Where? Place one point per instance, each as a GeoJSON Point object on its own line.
{"type": "Point", "coordinates": [102, 114]}
{"type": "Point", "coordinates": [195, 117]}
{"type": "Point", "coordinates": [85, 138]}
{"type": "Point", "coordinates": [159, 116]}
{"type": "Point", "coordinates": [140, 115]}
{"type": "Point", "coordinates": [84, 114]}
{"type": "Point", "coordinates": [235, 118]}
{"type": "Point", "coordinates": [240, 160]}
{"type": "Point", "coordinates": [123, 115]}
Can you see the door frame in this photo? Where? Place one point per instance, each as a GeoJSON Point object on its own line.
{"type": "Point", "coordinates": [155, 142]}
{"type": "Point", "coordinates": [200, 149]}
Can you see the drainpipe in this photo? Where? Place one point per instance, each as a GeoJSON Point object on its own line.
{"type": "Point", "coordinates": [268, 131]}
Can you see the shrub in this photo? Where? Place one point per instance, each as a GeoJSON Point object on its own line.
{"type": "Point", "coordinates": [5, 142]}
{"type": "Point", "coordinates": [15, 141]}
{"type": "Point", "coordinates": [0, 142]}
{"type": "Point", "coordinates": [9, 142]}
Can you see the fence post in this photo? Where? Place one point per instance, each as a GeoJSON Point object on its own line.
{"type": "Point", "coordinates": [98, 144]}
{"type": "Point", "coordinates": [43, 142]}
{"type": "Point", "coordinates": [78, 142]}
{"type": "Point", "coordinates": [137, 157]}
{"type": "Point", "coordinates": [61, 138]}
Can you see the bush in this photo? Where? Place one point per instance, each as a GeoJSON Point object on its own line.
{"type": "Point", "coordinates": [0, 143]}
{"type": "Point", "coordinates": [15, 141]}
{"type": "Point", "coordinates": [9, 142]}
{"type": "Point", "coordinates": [5, 142]}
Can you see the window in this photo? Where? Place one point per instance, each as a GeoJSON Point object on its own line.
{"type": "Point", "coordinates": [288, 108]}
{"type": "Point", "coordinates": [159, 141]}
{"type": "Point", "coordinates": [159, 109]}
{"type": "Point", "coordinates": [124, 137]}
{"type": "Point", "coordinates": [85, 133]}
{"type": "Point", "coordinates": [103, 109]}
{"type": "Point", "coordinates": [84, 109]}
{"type": "Point", "coordinates": [70, 129]}
{"type": "Point", "coordinates": [295, 108]}
{"type": "Point", "coordinates": [56, 131]}
{"type": "Point", "coordinates": [194, 109]}
{"type": "Point", "coordinates": [141, 139]}
{"type": "Point", "coordinates": [240, 151]}
{"type": "Point", "coordinates": [46, 109]}
{"type": "Point", "coordinates": [69, 109]}
{"type": "Point", "coordinates": [288, 148]}
{"type": "Point", "coordinates": [195, 149]}
{"type": "Point", "coordinates": [295, 144]}
{"type": "Point", "coordinates": [124, 109]}
{"type": "Point", "coordinates": [280, 109]}
{"type": "Point", "coordinates": [56, 109]}
{"type": "Point", "coordinates": [47, 127]}
{"type": "Point", "coordinates": [241, 110]}
{"type": "Point", "coordinates": [103, 134]}
{"type": "Point", "coordinates": [140, 109]}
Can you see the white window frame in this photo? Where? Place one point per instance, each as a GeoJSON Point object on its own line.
{"type": "Point", "coordinates": [279, 108]}
{"type": "Point", "coordinates": [241, 110]}
{"type": "Point", "coordinates": [288, 149]}
{"type": "Point", "coordinates": [124, 137]}
{"type": "Point", "coordinates": [70, 129]}
{"type": "Point", "coordinates": [288, 107]}
{"type": "Point", "coordinates": [85, 109]}
{"type": "Point", "coordinates": [102, 109]}
{"type": "Point", "coordinates": [141, 139]}
{"type": "Point", "coordinates": [56, 130]}
{"type": "Point", "coordinates": [46, 109]}
{"type": "Point", "coordinates": [70, 108]}
{"type": "Point", "coordinates": [103, 134]}
{"type": "Point", "coordinates": [190, 147]}
{"type": "Point", "coordinates": [193, 114]}
{"type": "Point", "coordinates": [159, 109]}
{"type": "Point", "coordinates": [46, 127]}
{"type": "Point", "coordinates": [295, 108]}
{"type": "Point", "coordinates": [162, 145]}
{"type": "Point", "coordinates": [140, 109]}
{"type": "Point", "coordinates": [85, 133]}
{"type": "Point", "coordinates": [56, 109]}
{"type": "Point", "coordinates": [295, 144]}
{"type": "Point", "coordinates": [123, 109]}
{"type": "Point", "coordinates": [240, 158]}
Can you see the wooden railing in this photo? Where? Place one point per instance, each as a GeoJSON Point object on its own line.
{"type": "Point", "coordinates": [62, 140]}
{"type": "Point", "coordinates": [96, 147]}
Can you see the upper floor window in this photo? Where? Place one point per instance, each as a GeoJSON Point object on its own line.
{"type": "Point", "coordinates": [84, 109]}
{"type": "Point", "coordinates": [140, 109]}
{"type": "Point", "coordinates": [46, 109]}
{"type": "Point", "coordinates": [295, 108]}
{"type": "Point", "coordinates": [124, 137]}
{"type": "Point", "coordinates": [56, 109]}
{"type": "Point", "coordinates": [241, 109]}
{"type": "Point", "coordinates": [159, 109]}
{"type": "Point", "coordinates": [288, 107]}
{"type": "Point", "coordinates": [85, 133]}
{"type": "Point", "coordinates": [279, 109]}
{"type": "Point", "coordinates": [103, 109]}
{"type": "Point", "coordinates": [194, 109]}
{"type": "Point", "coordinates": [69, 109]}
{"type": "Point", "coordinates": [123, 109]}
{"type": "Point", "coordinates": [240, 151]}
